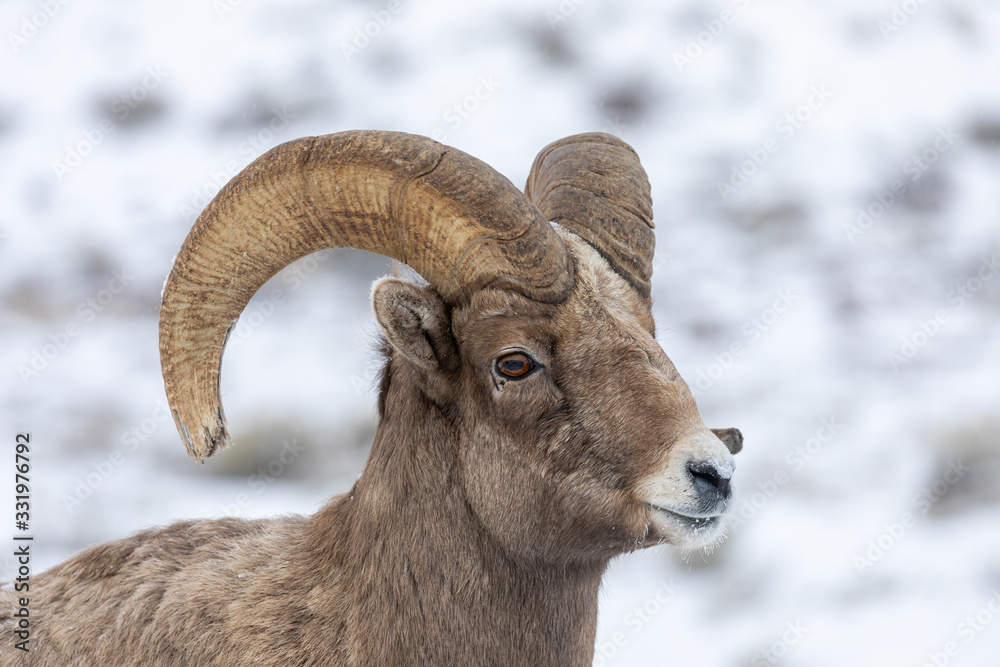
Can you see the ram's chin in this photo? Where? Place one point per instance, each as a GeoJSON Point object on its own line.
{"type": "Point", "coordinates": [688, 532]}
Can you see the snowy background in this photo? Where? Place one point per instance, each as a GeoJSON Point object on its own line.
{"type": "Point", "coordinates": [826, 181]}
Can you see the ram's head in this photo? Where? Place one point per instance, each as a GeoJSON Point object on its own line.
{"type": "Point", "coordinates": [527, 362]}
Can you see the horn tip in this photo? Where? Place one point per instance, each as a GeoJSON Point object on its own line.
{"type": "Point", "coordinates": [205, 441]}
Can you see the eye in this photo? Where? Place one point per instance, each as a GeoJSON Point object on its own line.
{"type": "Point", "coordinates": [515, 365]}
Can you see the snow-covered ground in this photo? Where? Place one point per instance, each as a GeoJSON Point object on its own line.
{"type": "Point", "coordinates": [826, 180]}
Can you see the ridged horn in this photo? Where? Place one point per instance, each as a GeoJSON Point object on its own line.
{"type": "Point", "coordinates": [449, 216]}
{"type": "Point", "coordinates": [593, 185]}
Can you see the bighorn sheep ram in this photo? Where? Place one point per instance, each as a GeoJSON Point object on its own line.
{"type": "Point", "coordinates": [530, 427]}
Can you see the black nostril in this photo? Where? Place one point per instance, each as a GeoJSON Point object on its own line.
{"type": "Point", "coordinates": [708, 481]}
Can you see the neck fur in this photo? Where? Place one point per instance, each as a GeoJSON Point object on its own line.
{"type": "Point", "coordinates": [419, 578]}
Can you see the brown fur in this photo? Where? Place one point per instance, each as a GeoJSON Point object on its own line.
{"type": "Point", "coordinates": [477, 533]}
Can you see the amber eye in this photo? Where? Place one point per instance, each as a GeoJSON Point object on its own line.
{"type": "Point", "coordinates": [515, 365]}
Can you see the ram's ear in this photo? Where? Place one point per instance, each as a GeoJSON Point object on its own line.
{"type": "Point", "coordinates": [415, 321]}
{"type": "Point", "coordinates": [731, 438]}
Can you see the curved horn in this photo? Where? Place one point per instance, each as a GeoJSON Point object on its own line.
{"type": "Point", "coordinates": [451, 217]}
{"type": "Point", "coordinates": [593, 185]}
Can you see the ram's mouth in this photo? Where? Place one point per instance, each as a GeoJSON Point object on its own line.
{"type": "Point", "coordinates": [692, 523]}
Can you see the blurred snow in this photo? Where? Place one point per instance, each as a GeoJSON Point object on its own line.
{"type": "Point", "coordinates": [891, 108]}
